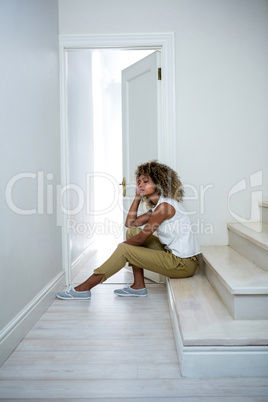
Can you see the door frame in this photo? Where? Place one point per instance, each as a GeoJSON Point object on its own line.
{"type": "Point", "coordinates": [167, 138]}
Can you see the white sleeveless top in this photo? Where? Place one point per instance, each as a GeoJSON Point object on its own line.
{"type": "Point", "coordinates": [176, 232]}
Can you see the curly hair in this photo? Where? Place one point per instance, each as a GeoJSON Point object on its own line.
{"type": "Point", "coordinates": [166, 179]}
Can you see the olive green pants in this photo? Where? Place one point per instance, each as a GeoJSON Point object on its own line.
{"type": "Point", "coordinates": [151, 255]}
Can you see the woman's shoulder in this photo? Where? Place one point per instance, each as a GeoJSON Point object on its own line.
{"type": "Point", "coordinates": [176, 204]}
{"type": "Point", "coordinates": [166, 200]}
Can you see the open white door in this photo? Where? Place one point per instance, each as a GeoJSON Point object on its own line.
{"type": "Point", "coordinates": [141, 116]}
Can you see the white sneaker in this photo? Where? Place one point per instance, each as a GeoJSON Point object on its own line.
{"type": "Point", "coordinates": [72, 294]}
{"type": "Point", "coordinates": [129, 292]}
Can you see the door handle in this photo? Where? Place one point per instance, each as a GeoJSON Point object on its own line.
{"type": "Point", "coordinates": [124, 186]}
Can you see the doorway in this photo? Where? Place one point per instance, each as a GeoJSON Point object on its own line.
{"type": "Point", "coordinates": [107, 66]}
{"type": "Point", "coordinates": [94, 131]}
{"type": "Point", "coordinates": [73, 247]}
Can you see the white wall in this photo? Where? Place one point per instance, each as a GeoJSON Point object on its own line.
{"type": "Point", "coordinates": [221, 92]}
{"type": "Point", "coordinates": [30, 247]}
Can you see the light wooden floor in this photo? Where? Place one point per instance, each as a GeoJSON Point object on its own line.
{"type": "Point", "coordinates": [111, 349]}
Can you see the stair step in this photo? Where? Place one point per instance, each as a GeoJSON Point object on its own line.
{"type": "Point", "coordinates": [241, 284]}
{"type": "Point", "coordinates": [204, 319]}
{"type": "Point", "coordinates": [255, 232]}
{"type": "Point", "coordinates": [250, 240]}
{"type": "Point", "coordinates": [210, 342]}
{"type": "Point", "coordinates": [264, 211]}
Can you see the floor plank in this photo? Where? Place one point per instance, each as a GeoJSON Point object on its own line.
{"type": "Point", "coordinates": [133, 388]}
{"type": "Point", "coordinates": [176, 399]}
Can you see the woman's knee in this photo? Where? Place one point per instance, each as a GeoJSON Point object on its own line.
{"type": "Point", "coordinates": [132, 232]}
{"type": "Point", "coordinates": [122, 248]}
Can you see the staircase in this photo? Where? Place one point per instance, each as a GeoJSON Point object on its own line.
{"type": "Point", "coordinates": [220, 315]}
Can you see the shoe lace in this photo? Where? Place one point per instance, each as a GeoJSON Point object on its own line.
{"type": "Point", "coordinates": [68, 290]}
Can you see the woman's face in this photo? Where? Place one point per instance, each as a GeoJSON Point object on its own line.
{"type": "Point", "coordinates": [145, 186]}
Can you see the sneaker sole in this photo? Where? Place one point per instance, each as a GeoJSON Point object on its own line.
{"type": "Point", "coordinates": [130, 295]}
{"type": "Point", "coordinates": [73, 298]}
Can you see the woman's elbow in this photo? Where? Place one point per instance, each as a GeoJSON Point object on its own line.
{"type": "Point", "coordinates": [130, 224]}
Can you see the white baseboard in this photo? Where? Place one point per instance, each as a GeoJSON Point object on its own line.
{"type": "Point", "coordinates": [77, 265]}
{"type": "Point", "coordinates": [19, 326]}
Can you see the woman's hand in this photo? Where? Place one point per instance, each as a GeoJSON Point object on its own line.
{"type": "Point", "coordinates": [137, 193]}
{"type": "Point", "coordinates": [132, 219]}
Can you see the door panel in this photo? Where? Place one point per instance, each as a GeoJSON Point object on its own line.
{"type": "Point", "coordinates": [141, 91]}
{"type": "Point", "coordinates": [140, 114]}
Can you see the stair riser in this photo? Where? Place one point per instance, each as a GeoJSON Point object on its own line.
{"type": "Point", "coordinates": [251, 307]}
{"type": "Point", "coordinates": [224, 294]}
{"type": "Point", "coordinates": [222, 362]}
{"type": "Point", "coordinates": [249, 250]}
{"type": "Point", "coordinates": [241, 307]}
{"type": "Point", "coordinates": [264, 215]}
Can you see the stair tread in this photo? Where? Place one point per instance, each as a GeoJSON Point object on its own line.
{"type": "Point", "coordinates": [255, 232]}
{"type": "Point", "coordinates": [204, 320]}
{"type": "Point", "coordinates": [238, 274]}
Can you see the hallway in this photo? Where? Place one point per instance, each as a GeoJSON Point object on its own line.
{"type": "Point", "coordinates": [111, 349]}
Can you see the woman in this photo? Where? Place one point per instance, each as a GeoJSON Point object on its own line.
{"type": "Point", "coordinates": [172, 253]}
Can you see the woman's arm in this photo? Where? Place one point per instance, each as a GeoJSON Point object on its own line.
{"type": "Point", "coordinates": [132, 220]}
{"type": "Point", "coordinates": [162, 212]}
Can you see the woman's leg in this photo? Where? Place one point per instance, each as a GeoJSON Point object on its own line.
{"type": "Point", "coordinates": [92, 281]}
{"type": "Point", "coordinates": [95, 279]}
{"type": "Point", "coordinates": [159, 261]}
{"type": "Point", "coordinates": [154, 259]}
{"type": "Point", "coordinates": [139, 282]}
{"type": "Point", "coordinates": [138, 273]}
